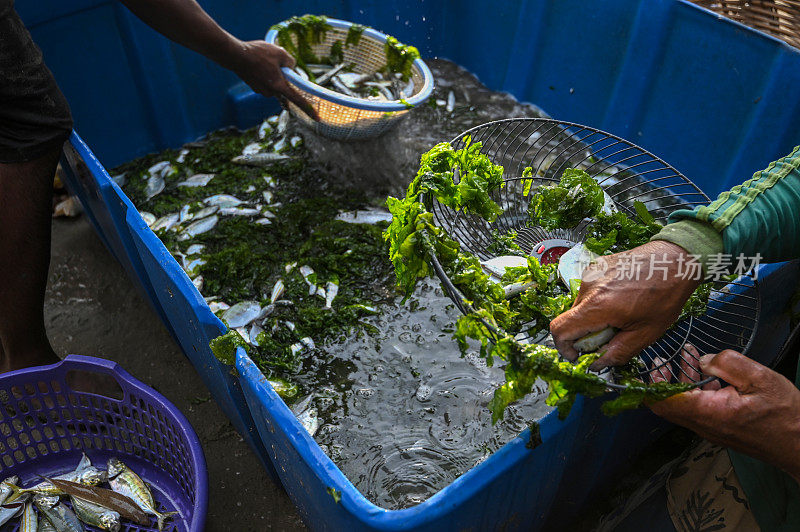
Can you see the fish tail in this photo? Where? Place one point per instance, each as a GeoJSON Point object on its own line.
{"type": "Point", "coordinates": [16, 493]}
{"type": "Point", "coordinates": [162, 517]}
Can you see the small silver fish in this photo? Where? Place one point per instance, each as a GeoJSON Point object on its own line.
{"type": "Point", "coordinates": [295, 141]}
{"type": "Point", "coordinates": [155, 184]}
{"type": "Point", "coordinates": [5, 487]}
{"type": "Point", "coordinates": [123, 480]}
{"type": "Point", "coordinates": [264, 130]}
{"type": "Point", "coordinates": [242, 314]}
{"type": "Point", "coordinates": [324, 78]}
{"type": "Point", "coordinates": [197, 180]}
{"type": "Point", "coordinates": [341, 87]}
{"type": "Point", "coordinates": [182, 156]}
{"type": "Point", "coordinates": [269, 180]}
{"type": "Point", "coordinates": [283, 121]}
{"type": "Point", "coordinates": [272, 120]}
{"type": "Point", "coordinates": [216, 306]}
{"type": "Point", "coordinates": [166, 222]}
{"type": "Point", "coordinates": [199, 227]}
{"type": "Point", "coordinates": [277, 291]}
{"type": "Point", "coordinates": [239, 211]}
{"type": "Point", "coordinates": [255, 330]}
{"type": "Point", "coordinates": [29, 521]}
{"type": "Point", "coordinates": [195, 249]}
{"type": "Point", "coordinates": [62, 518]}
{"type": "Point", "coordinates": [45, 525]}
{"type": "Point", "coordinates": [95, 515]}
{"type": "Point", "coordinates": [308, 342]}
{"type": "Point", "coordinates": [331, 289]}
{"type": "Point", "coordinates": [148, 218]}
{"type": "Point", "coordinates": [451, 102]}
{"type": "Point", "coordinates": [263, 221]}
{"type": "Point", "coordinates": [253, 147]}
{"type": "Point", "coordinates": [280, 146]}
{"type": "Point", "coordinates": [198, 282]}
{"type": "Point", "coordinates": [223, 201]}
{"type": "Point", "coordinates": [260, 159]}
{"type": "Point", "coordinates": [11, 510]}
{"type": "Point", "coordinates": [267, 195]}
{"type": "Point", "coordinates": [307, 415]}
{"type": "Point", "coordinates": [205, 211]}
{"type": "Point", "coordinates": [159, 168]}
{"type": "Point", "coordinates": [369, 216]}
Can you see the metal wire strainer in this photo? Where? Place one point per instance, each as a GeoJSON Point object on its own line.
{"type": "Point", "coordinates": [627, 173]}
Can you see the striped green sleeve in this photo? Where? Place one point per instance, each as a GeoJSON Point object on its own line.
{"type": "Point", "coordinates": [760, 216]}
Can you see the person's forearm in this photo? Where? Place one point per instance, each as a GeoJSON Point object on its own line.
{"type": "Point", "coordinates": [762, 215]}
{"type": "Point", "coordinates": [186, 23]}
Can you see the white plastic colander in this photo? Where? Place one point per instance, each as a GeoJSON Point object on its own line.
{"type": "Point", "coordinates": [343, 117]}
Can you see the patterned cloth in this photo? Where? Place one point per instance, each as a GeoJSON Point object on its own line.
{"type": "Point", "coordinates": [697, 492]}
{"type": "Point", "coordinates": [704, 494]}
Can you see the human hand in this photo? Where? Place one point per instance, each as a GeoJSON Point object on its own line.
{"type": "Point", "coordinates": [642, 309]}
{"type": "Point", "coordinates": [758, 415]}
{"type": "Point", "coordinates": [259, 64]}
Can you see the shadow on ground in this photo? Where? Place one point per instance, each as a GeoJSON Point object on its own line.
{"type": "Point", "coordinates": [92, 308]}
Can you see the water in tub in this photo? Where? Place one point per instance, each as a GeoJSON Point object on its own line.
{"type": "Point", "coordinates": [285, 244]}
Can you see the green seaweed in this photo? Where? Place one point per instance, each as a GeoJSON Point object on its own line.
{"type": "Point", "coordinates": [354, 35]}
{"type": "Point", "coordinates": [399, 57]}
{"type": "Point", "coordinates": [298, 34]}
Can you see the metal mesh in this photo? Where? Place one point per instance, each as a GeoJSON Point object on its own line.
{"type": "Point", "coordinates": [627, 173]}
{"type": "Point", "coordinates": [343, 122]}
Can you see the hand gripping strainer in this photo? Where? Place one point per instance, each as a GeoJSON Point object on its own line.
{"type": "Point", "coordinates": [627, 174]}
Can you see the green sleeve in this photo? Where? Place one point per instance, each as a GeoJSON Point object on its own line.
{"type": "Point", "coordinates": [760, 216]}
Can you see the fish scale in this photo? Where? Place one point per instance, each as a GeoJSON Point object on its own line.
{"type": "Point", "coordinates": [128, 483]}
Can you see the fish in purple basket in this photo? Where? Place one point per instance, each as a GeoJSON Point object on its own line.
{"type": "Point", "coordinates": [125, 482]}
{"type": "Point", "coordinates": [85, 474]}
{"type": "Point", "coordinates": [96, 515]}
{"type": "Point", "coordinates": [60, 516]}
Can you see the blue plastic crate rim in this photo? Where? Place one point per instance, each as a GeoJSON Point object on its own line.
{"type": "Point", "coordinates": [358, 103]}
{"type": "Point", "coordinates": [46, 426]}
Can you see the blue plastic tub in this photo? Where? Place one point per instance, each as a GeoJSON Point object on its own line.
{"type": "Point", "coordinates": [710, 96]}
{"type": "Point", "coordinates": [47, 425]}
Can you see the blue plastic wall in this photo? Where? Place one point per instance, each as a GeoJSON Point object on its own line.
{"type": "Point", "coordinates": [716, 100]}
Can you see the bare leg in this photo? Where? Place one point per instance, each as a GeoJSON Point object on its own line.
{"type": "Point", "coordinates": [25, 218]}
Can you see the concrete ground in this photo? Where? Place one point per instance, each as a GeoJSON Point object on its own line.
{"type": "Point", "coordinates": [92, 308]}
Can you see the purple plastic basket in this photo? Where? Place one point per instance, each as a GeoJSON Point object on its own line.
{"type": "Point", "coordinates": [45, 426]}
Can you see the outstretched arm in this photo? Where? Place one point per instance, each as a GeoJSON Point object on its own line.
{"type": "Point", "coordinates": [257, 63]}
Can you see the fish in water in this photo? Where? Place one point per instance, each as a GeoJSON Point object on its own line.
{"type": "Point", "coordinates": [451, 102]}
{"type": "Point", "coordinates": [331, 289]}
{"type": "Point", "coordinates": [109, 499]}
{"type": "Point", "coordinates": [223, 201]}
{"type": "Point", "coordinates": [197, 180]}
{"type": "Point", "coordinates": [370, 216]}
{"type": "Point", "coordinates": [166, 222]}
{"type": "Point", "coordinates": [123, 480]}
{"type": "Point", "coordinates": [307, 415]}
{"type": "Point", "coordinates": [277, 291]}
{"type": "Point", "coordinates": [148, 218]}
{"type": "Point", "coordinates": [96, 515]}
{"type": "Point", "coordinates": [242, 314]}
{"type": "Point", "coordinates": [199, 227]}
{"type": "Point", "coordinates": [283, 121]}
{"type": "Point", "coordinates": [155, 184]}
{"type": "Point", "coordinates": [260, 159]}
{"type": "Point", "coordinates": [264, 130]}
{"type": "Point", "coordinates": [61, 517]}
{"type": "Point", "coordinates": [239, 211]}
{"type": "Point", "coordinates": [253, 147]}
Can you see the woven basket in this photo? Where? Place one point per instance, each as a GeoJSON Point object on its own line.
{"type": "Point", "coordinates": [343, 117]}
{"type": "Point", "coordinates": [779, 18]}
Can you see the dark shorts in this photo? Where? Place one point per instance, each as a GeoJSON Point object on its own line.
{"type": "Point", "coordinates": [34, 115]}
